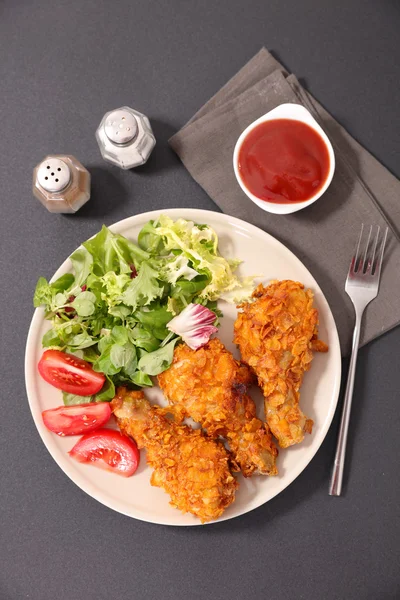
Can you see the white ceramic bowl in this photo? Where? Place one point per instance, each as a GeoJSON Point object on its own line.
{"type": "Point", "coordinates": [295, 112]}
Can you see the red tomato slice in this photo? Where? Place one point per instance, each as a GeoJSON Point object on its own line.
{"type": "Point", "coordinates": [108, 449]}
{"type": "Point", "coordinates": [74, 420]}
{"type": "Point", "coordinates": [70, 373]}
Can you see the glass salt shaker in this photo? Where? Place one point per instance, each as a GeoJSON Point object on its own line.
{"type": "Point", "coordinates": [61, 183]}
{"type": "Point", "coordinates": [125, 137]}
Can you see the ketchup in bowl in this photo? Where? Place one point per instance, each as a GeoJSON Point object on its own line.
{"type": "Point", "coordinates": [283, 161]}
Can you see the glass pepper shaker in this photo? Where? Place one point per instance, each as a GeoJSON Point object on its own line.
{"type": "Point", "coordinates": [125, 137]}
{"type": "Point", "coordinates": [61, 183]}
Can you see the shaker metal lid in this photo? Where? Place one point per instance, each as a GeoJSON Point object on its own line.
{"type": "Point", "coordinates": [121, 126]}
{"type": "Point", "coordinates": [53, 175]}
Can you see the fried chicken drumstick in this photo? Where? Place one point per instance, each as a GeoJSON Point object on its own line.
{"type": "Point", "coordinates": [276, 335]}
{"type": "Point", "coordinates": [210, 386]}
{"type": "Point", "coordinates": [192, 468]}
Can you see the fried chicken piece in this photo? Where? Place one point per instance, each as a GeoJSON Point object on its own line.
{"type": "Point", "coordinates": [192, 468]}
{"type": "Point", "coordinates": [276, 335]}
{"type": "Point", "coordinates": [210, 386]}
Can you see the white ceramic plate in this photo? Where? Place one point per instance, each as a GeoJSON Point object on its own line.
{"type": "Point", "coordinates": [135, 497]}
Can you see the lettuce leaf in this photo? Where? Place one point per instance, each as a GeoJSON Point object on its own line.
{"type": "Point", "coordinates": [156, 362]}
{"type": "Point", "coordinates": [113, 252]}
{"type": "Point", "coordinates": [199, 245]}
{"type": "Point", "coordinates": [144, 288]}
{"type": "Point", "coordinates": [178, 267]}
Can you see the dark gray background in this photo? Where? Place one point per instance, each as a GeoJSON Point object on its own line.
{"type": "Point", "coordinates": [62, 65]}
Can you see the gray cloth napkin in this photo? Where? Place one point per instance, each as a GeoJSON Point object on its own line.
{"type": "Point", "coordinates": [323, 235]}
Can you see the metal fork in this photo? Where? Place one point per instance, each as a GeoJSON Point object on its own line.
{"type": "Point", "coordinates": [362, 285]}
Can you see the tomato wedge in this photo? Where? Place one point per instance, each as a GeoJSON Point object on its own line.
{"type": "Point", "coordinates": [70, 373]}
{"type": "Point", "coordinates": [74, 420]}
{"type": "Point", "coordinates": [108, 449]}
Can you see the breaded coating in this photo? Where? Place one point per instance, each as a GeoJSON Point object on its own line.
{"type": "Point", "coordinates": [276, 335]}
{"type": "Point", "coordinates": [210, 386]}
{"type": "Point", "coordinates": [192, 468]}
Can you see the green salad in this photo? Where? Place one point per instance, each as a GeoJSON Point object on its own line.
{"type": "Point", "coordinates": [114, 308]}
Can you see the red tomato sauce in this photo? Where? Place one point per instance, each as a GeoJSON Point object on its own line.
{"type": "Point", "coordinates": [283, 161]}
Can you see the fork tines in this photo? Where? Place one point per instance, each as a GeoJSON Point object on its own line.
{"type": "Point", "coordinates": [368, 261]}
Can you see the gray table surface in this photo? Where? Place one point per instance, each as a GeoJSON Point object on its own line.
{"type": "Point", "coordinates": [62, 65]}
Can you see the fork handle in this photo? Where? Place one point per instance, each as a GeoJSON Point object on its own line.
{"type": "Point", "coordinates": [335, 488]}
